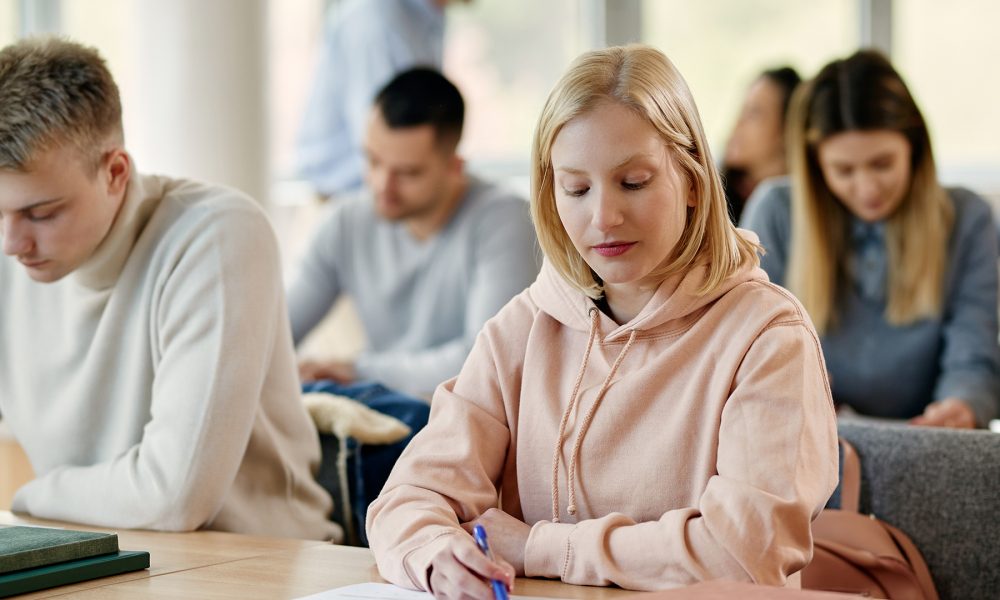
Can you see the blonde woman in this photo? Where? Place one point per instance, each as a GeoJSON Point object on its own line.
{"type": "Point", "coordinates": [898, 273]}
{"type": "Point", "coordinates": [651, 412]}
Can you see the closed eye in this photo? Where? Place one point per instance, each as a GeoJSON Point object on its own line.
{"type": "Point", "coordinates": [39, 218]}
{"type": "Point", "coordinates": [577, 192]}
{"type": "Point", "coordinates": [637, 185]}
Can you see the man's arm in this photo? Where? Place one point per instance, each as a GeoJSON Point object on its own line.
{"type": "Point", "coordinates": [214, 333]}
{"type": "Point", "coordinates": [318, 283]}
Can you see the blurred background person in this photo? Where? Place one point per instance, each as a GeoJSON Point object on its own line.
{"type": "Point", "coordinates": [756, 147]}
{"type": "Point", "coordinates": [898, 273]}
{"type": "Point", "coordinates": [365, 43]}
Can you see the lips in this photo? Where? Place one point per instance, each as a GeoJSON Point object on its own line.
{"type": "Point", "coordinates": [32, 264]}
{"type": "Point", "coordinates": [611, 249]}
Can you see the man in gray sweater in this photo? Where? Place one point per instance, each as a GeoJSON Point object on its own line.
{"type": "Point", "coordinates": [148, 374]}
{"type": "Point", "coordinates": [428, 253]}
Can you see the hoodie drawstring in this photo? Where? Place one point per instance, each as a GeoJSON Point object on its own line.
{"type": "Point", "coordinates": [585, 424]}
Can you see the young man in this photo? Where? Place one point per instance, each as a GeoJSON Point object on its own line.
{"type": "Point", "coordinates": [428, 254]}
{"type": "Point", "coordinates": [145, 362]}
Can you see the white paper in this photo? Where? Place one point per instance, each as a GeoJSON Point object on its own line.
{"type": "Point", "coordinates": [380, 591]}
{"type": "Point", "coordinates": [369, 591]}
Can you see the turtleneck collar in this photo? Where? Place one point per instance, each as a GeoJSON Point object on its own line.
{"type": "Point", "coordinates": [103, 268]}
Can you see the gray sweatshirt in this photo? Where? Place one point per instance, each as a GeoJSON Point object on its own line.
{"type": "Point", "coordinates": [895, 371]}
{"type": "Point", "coordinates": [421, 303]}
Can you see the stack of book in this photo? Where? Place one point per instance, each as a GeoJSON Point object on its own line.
{"type": "Point", "coordinates": [35, 558]}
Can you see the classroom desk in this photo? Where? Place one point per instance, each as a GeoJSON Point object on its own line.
{"type": "Point", "coordinates": [218, 565]}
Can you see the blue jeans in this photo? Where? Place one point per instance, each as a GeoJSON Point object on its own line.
{"type": "Point", "coordinates": [369, 466]}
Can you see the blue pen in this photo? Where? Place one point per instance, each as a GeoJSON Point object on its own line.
{"type": "Point", "coordinates": [499, 588]}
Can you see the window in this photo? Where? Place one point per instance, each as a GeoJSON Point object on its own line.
{"type": "Point", "coordinates": [720, 47]}
{"type": "Point", "coordinates": [947, 54]}
{"type": "Point", "coordinates": [505, 57]}
{"type": "Point", "coordinates": [9, 19]}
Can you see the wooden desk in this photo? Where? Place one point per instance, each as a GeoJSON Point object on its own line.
{"type": "Point", "coordinates": [170, 552]}
{"type": "Point", "coordinates": [209, 564]}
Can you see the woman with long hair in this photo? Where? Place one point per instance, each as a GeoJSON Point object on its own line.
{"type": "Point", "coordinates": [651, 412]}
{"type": "Point", "coordinates": [756, 147]}
{"type": "Point", "coordinates": [898, 273]}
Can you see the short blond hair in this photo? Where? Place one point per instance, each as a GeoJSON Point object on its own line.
{"type": "Point", "coordinates": [644, 80]}
{"type": "Point", "coordinates": [54, 92]}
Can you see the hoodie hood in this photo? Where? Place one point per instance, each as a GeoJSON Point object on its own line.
{"type": "Point", "coordinates": [674, 300]}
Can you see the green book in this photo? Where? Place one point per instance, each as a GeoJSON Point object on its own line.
{"type": "Point", "coordinates": [40, 578]}
{"type": "Point", "coordinates": [23, 547]}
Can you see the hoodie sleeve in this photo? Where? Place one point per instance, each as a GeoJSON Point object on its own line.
{"type": "Point", "coordinates": [450, 472]}
{"type": "Point", "coordinates": [776, 467]}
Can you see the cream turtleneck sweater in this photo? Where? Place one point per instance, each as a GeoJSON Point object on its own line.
{"type": "Point", "coordinates": [155, 386]}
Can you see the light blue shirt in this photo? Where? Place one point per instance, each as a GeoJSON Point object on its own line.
{"type": "Point", "coordinates": [895, 371]}
{"type": "Point", "coordinates": [365, 44]}
{"type": "Point", "coordinates": [421, 302]}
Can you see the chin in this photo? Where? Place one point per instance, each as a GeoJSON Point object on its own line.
{"type": "Point", "coordinates": [46, 275]}
{"type": "Point", "coordinates": [391, 212]}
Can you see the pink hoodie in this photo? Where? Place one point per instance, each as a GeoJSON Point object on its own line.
{"type": "Point", "coordinates": [700, 445]}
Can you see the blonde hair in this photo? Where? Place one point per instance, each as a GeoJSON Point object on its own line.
{"type": "Point", "coordinates": [864, 93]}
{"type": "Point", "coordinates": [52, 92]}
{"type": "Point", "coordinates": [643, 79]}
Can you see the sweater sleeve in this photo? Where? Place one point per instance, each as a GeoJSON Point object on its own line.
{"type": "Point", "coordinates": [214, 330]}
{"type": "Point", "coordinates": [317, 284]}
{"type": "Point", "coordinates": [506, 260]}
{"type": "Point", "coordinates": [970, 359]}
{"type": "Point", "coordinates": [451, 471]}
{"type": "Point", "coordinates": [776, 467]}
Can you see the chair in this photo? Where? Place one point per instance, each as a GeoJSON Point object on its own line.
{"type": "Point", "coordinates": [942, 488]}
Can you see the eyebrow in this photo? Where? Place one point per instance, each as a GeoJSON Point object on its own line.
{"type": "Point", "coordinates": [629, 159]}
{"type": "Point", "coordinates": [40, 204]}
{"type": "Point", "coordinates": [876, 158]}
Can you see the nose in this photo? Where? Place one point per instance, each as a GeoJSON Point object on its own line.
{"type": "Point", "coordinates": [608, 211]}
{"type": "Point", "coordinates": [381, 181]}
{"type": "Point", "coordinates": [16, 240]}
{"type": "Point", "coordinates": [867, 187]}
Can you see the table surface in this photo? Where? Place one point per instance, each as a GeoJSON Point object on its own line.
{"type": "Point", "coordinates": [219, 565]}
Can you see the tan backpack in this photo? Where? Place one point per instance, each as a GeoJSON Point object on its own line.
{"type": "Point", "coordinates": [860, 554]}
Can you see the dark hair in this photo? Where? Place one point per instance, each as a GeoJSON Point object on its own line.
{"type": "Point", "coordinates": [863, 92]}
{"type": "Point", "coordinates": [423, 96]}
{"type": "Point", "coordinates": [53, 92]}
{"type": "Point", "coordinates": [787, 79]}
{"type": "Point", "coordinates": [736, 180]}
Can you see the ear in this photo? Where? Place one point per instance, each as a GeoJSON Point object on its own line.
{"type": "Point", "coordinates": [456, 164]}
{"type": "Point", "coordinates": [118, 169]}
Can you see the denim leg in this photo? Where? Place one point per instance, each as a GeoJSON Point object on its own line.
{"type": "Point", "coordinates": [370, 465]}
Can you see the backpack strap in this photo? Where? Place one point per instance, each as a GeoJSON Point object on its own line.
{"type": "Point", "coordinates": [850, 479]}
{"type": "Point", "coordinates": [916, 560]}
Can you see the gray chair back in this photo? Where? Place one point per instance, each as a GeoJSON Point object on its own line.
{"type": "Point", "coordinates": [942, 488]}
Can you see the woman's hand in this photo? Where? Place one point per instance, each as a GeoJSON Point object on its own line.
{"type": "Point", "coordinates": [461, 571]}
{"type": "Point", "coordinates": [950, 412]}
{"type": "Point", "coordinates": [508, 536]}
